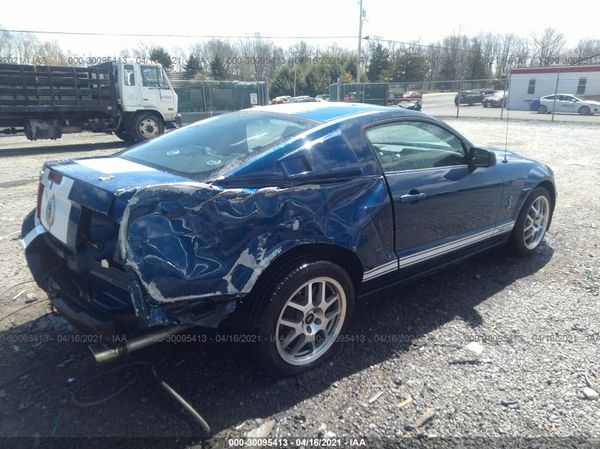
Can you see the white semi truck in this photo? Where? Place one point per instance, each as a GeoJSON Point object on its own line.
{"type": "Point", "coordinates": [132, 100]}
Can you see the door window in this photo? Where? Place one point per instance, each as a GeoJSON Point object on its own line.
{"type": "Point", "coordinates": [152, 76]}
{"type": "Point", "coordinates": [415, 145]}
{"type": "Point", "coordinates": [129, 75]}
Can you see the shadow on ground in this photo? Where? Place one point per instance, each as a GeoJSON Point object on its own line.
{"type": "Point", "coordinates": [67, 148]}
{"type": "Point", "coordinates": [219, 379]}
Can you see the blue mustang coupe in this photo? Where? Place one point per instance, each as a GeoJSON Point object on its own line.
{"type": "Point", "coordinates": [275, 219]}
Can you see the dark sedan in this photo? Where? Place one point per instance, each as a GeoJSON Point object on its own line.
{"type": "Point", "coordinates": [274, 221]}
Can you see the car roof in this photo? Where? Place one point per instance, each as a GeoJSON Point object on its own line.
{"type": "Point", "coordinates": [332, 110]}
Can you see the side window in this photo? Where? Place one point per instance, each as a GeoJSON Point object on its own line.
{"type": "Point", "coordinates": [531, 87]}
{"type": "Point", "coordinates": [128, 75]}
{"type": "Point", "coordinates": [163, 80]}
{"type": "Point", "coordinates": [150, 76]}
{"type": "Point", "coordinates": [581, 86]}
{"type": "Point", "coordinates": [415, 145]}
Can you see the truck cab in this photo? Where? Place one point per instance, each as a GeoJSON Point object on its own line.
{"type": "Point", "coordinates": [146, 98]}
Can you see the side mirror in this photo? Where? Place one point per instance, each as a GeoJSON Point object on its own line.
{"type": "Point", "coordinates": [479, 157]}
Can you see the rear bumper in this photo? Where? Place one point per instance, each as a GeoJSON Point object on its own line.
{"type": "Point", "coordinates": [177, 123]}
{"type": "Point", "coordinates": [99, 299]}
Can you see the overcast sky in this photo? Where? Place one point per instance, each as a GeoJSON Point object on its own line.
{"type": "Point", "coordinates": [423, 20]}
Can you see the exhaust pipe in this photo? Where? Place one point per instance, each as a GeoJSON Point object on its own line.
{"type": "Point", "coordinates": [103, 353]}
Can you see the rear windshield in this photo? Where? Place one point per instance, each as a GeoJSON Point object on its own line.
{"type": "Point", "coordinates": [212, 144]}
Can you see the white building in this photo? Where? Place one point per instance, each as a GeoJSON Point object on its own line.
{"type": "Point", "coordinates": [529, 83]}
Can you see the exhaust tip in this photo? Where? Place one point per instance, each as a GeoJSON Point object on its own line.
{"type": "Point", "coordinates": [103, 353]}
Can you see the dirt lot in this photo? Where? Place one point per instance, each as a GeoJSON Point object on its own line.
{"type": "Point", "coordinates": [536, 320]}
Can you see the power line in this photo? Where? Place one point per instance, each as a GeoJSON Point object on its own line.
{"type": "Point", "coordinates": [195, 36]}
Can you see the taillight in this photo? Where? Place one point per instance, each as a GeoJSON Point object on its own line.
{"type": "Point", "coordinates": [56, 178]}
{"type": "Point", "coordinates": [39, 199]}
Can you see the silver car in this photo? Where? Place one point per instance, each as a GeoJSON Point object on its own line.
{"type": "Point", "coordinates": [567, 103]}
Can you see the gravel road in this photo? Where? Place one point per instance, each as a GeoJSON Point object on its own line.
{"type": "Point", "coordinates": [495, 348]}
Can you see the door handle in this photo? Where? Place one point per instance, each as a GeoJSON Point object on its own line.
{"type": "Point", "coordinates": [412, 197]}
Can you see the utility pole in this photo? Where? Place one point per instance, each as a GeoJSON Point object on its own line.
{"type": "Point", "coordinates": [360, 24]}
{"type": "Point", "coordinates": [294, 76]}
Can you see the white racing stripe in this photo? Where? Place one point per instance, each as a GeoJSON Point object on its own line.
{"type": "Point", "coordinates": [113, 165]}
{"type": "Point", "coordinates": [439, 250]}
{"type": "Point", "coordinates": [55, 207]}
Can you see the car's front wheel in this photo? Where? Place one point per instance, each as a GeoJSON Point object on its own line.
{"type": "Point", "coordinates": [301, 315]}
{"type": "Point", "coordinates": [532, 223]}
{"type": "Point", "coordinates": [541, 109]}
{"type": "Point", "coordinates": [584, 110]}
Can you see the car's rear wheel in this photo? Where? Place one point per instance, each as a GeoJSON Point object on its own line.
{"type": "Point", "coordinates": [301, 315]}
{"type": "Point", "coordinates": [584, 110]}
{"type": "Point", "coordinates": [532, 223]}
{"type": "Point", "coordinates": [541, 109]}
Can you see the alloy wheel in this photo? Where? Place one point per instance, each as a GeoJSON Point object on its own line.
{"type": "Point", "coordinates": [536, 222]}
{"type": "Point", "coordinates": [310, 321]}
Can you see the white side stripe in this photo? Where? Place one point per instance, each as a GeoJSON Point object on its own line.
{"type": "Point", "coordinates": [444, 248]}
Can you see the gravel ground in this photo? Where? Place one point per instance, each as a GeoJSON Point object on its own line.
{"type": "Point", "coordinates": [496, 347]}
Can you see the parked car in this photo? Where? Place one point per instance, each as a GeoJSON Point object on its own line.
{"type": "Point", "coordinates": [412, 94]}
{"type": "Point", "coordinates": [567, 103]}
{"type": "Point", "coordinates": [323, 97]}
{"type": "Point", "coordinates": [414, 105]}
{"type": "Point", "coordinates": [495, 100]}
{"type": "Point", "coordinates": [302, 99]}
{"type": "Point", "coordinates": [350, 97]}
{"type": "Point", "coordinates": [469, 97]}
{"type": "Point", "coordinates": [272, 221]}
{"type": "Point", "coordinates": [281, 99]}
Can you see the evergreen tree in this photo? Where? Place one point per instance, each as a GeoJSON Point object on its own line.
{"type": "Point", "coordinates": [161, 55]}
{"type": "Point", "coordinates": [218, 69]}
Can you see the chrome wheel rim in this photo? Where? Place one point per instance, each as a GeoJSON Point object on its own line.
{"type": "Point", "coordinates": [310, 321]}
{"type": "Point", "coordinates": [536, 222]}
{"type": "Point", "coordinates": [148, 128]}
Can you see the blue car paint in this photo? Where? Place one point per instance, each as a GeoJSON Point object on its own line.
{"type": "Point", "coordinates": [183, 243]}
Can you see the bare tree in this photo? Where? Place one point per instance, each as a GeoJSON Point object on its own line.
{"type": "Point", "coordinates": [587, 49]}
{"type": "Point", "coordinates": [547, 48]}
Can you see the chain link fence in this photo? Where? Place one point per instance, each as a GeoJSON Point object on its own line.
{"type": "Point", "coordinates": [201, 99]}
{"type": "Point", "coordinates": [545, 93]}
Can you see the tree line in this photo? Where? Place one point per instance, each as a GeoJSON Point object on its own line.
{"type": "Point", "coordinates": [308, 70]}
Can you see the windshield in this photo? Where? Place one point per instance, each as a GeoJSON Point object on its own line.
{"type": "Point", "coordinates": [211, 144]}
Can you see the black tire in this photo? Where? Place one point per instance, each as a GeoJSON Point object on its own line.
{"type": "Point", "coordinates": [273, 299]}
{"type": "Point", "coordinates": [485, 105]}
{"type": "Point", "coordinates": [124, 136]}
{"type": "Point", "coordinates": [517, 239]}
{"type": "Point", "coordinates": [541, 109]}
{"type": "Point", "coordinates": [456, 103]}
{"type": "Point", "coordinates": [584, 110]}
{"type": "Point", "coordinates": [146, 126]}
